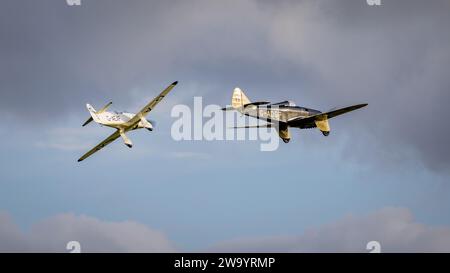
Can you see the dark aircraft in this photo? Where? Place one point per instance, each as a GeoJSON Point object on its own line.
{"type": "Point", "coordinates": [283, 115]}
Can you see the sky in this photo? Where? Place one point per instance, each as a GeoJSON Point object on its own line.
{"type": "Point", "coordinates": [383, 173]}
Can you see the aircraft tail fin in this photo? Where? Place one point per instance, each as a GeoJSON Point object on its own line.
{"type": "Point", "coordinates": [239, 99]}
{"type": "Point", "coordinates": [93, 113]}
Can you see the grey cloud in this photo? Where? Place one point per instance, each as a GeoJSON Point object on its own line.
{"type": "Point", "coordinates": [94, 235]}
{"type": "Point", "coordinates": [55, 58]}
{"type": "Point", "coordinates": [394, 57]}
{"type": "Point", "coordinates": [394, 228]}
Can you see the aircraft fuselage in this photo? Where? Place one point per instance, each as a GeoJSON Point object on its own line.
{"type": "Point", "coordinates": [119, 120]}
{"type": "Point", "coordinates": [279, 113]}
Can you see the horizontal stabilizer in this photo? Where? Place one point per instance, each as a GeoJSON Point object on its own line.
{"type": "Point", "coordinates": [104, 108]}
{"type": "Point", "coordinates": [228, 109]}
{"type": "Point", "coordinates": [88, 121]}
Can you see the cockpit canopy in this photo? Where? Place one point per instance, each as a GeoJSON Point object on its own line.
{"type": "Point", "coordinates": [120, 112]}
{"type": "Point", "coordinates": [285, 103]}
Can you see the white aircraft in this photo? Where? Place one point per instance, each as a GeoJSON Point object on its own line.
{"type": "Point", "coordinates": [123, 122]}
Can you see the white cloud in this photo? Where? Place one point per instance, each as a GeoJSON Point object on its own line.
{"type": "Point", "coordinates": [394, 228]}
{"type": "Point", "coordinates": [94, 235]}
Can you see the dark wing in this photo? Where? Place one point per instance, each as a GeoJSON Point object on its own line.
{"type": "Point", "coordinates": [309, 122]}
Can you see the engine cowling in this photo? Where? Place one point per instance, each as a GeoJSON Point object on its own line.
{"type": "Point", "coordinates": [283, 133]}
{"type": "Point", "coordinates": [323, 126]}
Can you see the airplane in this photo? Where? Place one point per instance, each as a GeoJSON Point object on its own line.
{"type": "Point", "coordinates": [286, 114]}
{"type": "Point", "coordinates": [122, 121]}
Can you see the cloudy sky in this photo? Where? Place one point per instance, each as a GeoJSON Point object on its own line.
{"type": "Point", "coordinates": [383, 173]}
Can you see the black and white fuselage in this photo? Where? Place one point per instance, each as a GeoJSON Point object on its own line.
{"type": "Point", "coordinates": [279, 112]}
{"type": "Point", "coordinates": [285, 114]}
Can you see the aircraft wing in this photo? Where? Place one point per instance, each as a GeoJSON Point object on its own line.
{"type": "Point", "coordinates": [337, 112]}
{"type": "Point", "coordinates": [150, 105]}
{"type": "Point", "coordinates": [309, 122]}
{"type": "Point", "coordinates": [97, 148]}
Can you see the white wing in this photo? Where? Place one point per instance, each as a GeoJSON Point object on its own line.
{"type": "Point", "coordinates": [97, 148]}
{"type": "Point", "coordinates": [150, 106]}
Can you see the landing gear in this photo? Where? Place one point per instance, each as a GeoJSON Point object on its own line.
{"type": "Point", "coordinates": [126, 140]}
{"type": "Point", "coordinates": [325, 133]}
{"type": "Point", "coordinates": [286, 140]}
{"type": "Point", "coordinates": [150, 129]}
